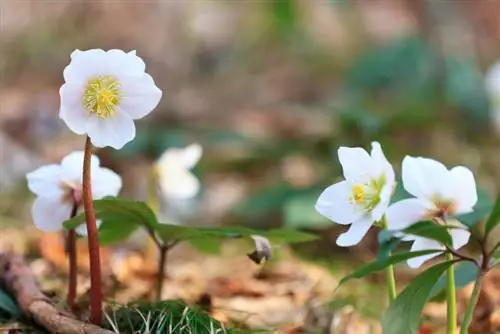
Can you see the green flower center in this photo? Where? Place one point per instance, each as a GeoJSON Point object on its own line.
{"type": "Point", "coordinates": [367, 195]}
{"type": "Point", "coordinates": [102, 95]}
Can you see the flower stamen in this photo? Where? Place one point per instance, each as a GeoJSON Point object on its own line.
{"type": "Point", "coordinates": [102, 95]}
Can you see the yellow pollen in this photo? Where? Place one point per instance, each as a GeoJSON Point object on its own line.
{"type": "Point", "coordinates": [358, 194]}
{"type": "Point", "coordinates": [102, 95]}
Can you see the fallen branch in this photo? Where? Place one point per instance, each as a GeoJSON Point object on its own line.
{"type": "Point", "coordinates": [17, 278]}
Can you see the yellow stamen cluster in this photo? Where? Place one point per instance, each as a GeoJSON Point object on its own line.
{"type": "Point", "coordinates": [367, 195]}
{"type": "Point", "coordinates": [102, 95]}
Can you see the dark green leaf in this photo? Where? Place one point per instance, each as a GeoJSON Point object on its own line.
{"type": "Point", "coordinates": [300, 213]}
{"type": "Point", "coordinates": [430, 230]}
{"type": "Point", "coordinates": [383, 263]}
{"type": "Point", "coordinates": [112, 231]}
{"type": "Point", "coordinates": [465, 273]}
{"type": "Point", "coordinates": [8, 305]}
{"type": "Point", "coordinates": [494, 217]}
{"type": "Point", "coordinates": [403, 315]}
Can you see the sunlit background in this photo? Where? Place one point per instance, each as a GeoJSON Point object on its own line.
{"type": "Point", "coordinates": [270, 89]}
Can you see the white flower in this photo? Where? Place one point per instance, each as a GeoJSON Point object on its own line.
{"type": "Point", "coordinates": [104, 92]}
{"type": "Point", "coordinates": [59, 187]}
{"type": "Point", "coordinates": [439, 193]}
{"type": "Point", "coordinates": [363, 197]}
{"type": "Point", "coordinates": [492, 85]}
{"type": "Point", "coordinates": [173, 168]}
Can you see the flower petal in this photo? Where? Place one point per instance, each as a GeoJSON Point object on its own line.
{"type": "Point", "coordinates": [84, 64]}
{"type": "Point", "coordinates": [191, 155]}
{"type": "Point", "coordinates": [122, 64]}
{"type": "Point", "coordinates": [355, 163]}
{"type": "Point", "coordinates": [380, 164]}
{"type": "Point", "coordinates": [49, 215]}
{"type": "Point", "coordinates": [423, 244]}
{"type": "Point", "coordinates": [424, 177]}
{"type": "Point", "coordinates": [179, 185]}
{"type": "Point", "coordinates": [72, 167]}
{"type": "Point", "coordinates": [462, 189]}
{"type": "Point", "coordinates": [105, 182]}
{"type": "Point", "coordinates": [355, 233]}
{"type": "Point", "coordinates": [71, 111]}
{"type": "Point", "coordinates": [45, 181]}
{"type": "Point", "coordinates": [115, 131]}
{"type": "Point", "coordinates": [141, 95]}
{"type": "Point", "coordinates": [82, 229]}
{"type": "Point", "coordinates": [492, 79]}
{"type": "Point", "coordinates": [460, 237]}
{"type": "Point", "coordinates": [333, 203]}
{"type": "Point", "coordinates": [406, 212]}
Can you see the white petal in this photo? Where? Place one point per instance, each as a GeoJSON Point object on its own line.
{"type": "Point", "coordinates": [380, 163]}
{"type": "Point", "coordinates": [105, 182]}
{"type": "Point", "coordinates": [84, 64]}
{"type": "Point", "coordinates": [380, 209]}
{"type": "Point", "coordinates": [191, 155]}
{"type": "Point", "coordinates": [423, 244]}
{"type": "Point", "coordinates": [460, 237]}
{"type": "Point", "coordinates": [49, 215]}
{"type": "Point", "coordinates": [356, 232]}
{"type": "Point", "coordinates": [45, 181]}
{"type": "Point", "coordinates": [424, 177]}
{"type": "Point", "coordinates": [180, 185]}
{"type": "Point", "coordinates": [462, 189]}
{"type": "Point", "coordinates": [123, 64]}
{"type": "Point", "coordinates": [406, 212]}
{"type": "Point", "coordinates": [72, 166]}
{"type": "Point", "coordinates": [355, 163]}
{"type": "Point", "coordinates": [333, 203]}
{"type": "Point", "coordinates": [141, 96]}
{"type": "Point", "coordinates": [82, 229]}
{"type": "Point", "coordinates": [115, 131]}
{"type": "Point", "coordinates": [71, 111]}
{"type": "Point", "coordinates": [492, 79]}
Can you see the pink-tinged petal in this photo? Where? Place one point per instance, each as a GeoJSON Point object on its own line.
{"type": "Point", "coordinates": [462, 189]}
{"type": "Point", "coordinates": [423, 244]}
{"type": "Point", "coordinates": [45, 181]}
{"type": "Point", "coordinates": [115, 131]}
{"type": "Point", "coordinates": [355, 163]}
{"type": "Point", "coordinates": [141, 95]}
{"type": "Point", "coordinates": [424, 178]}
{"type": "Point", "coordinates": [406, 212]}
{"type": "Point", "coordinates": [355, 233]}
{"type": "Point", "coordinates": [334, 204]}
{"type": "Point", "coordinates": [49, 215]}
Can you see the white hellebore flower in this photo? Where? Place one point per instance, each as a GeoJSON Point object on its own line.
{"type": "Point", "coordinates": [173, 168]}
{"type": "Point", "coordinates": [439, 193]}
{"type": "Point", "coordinates": [363, 197]}
{"type": "Point", "coordinates": [59, 188]}
{"type": "Point", "coordinates": [104, 92]}
{"type": "Point", "coordinates": [492, 85]}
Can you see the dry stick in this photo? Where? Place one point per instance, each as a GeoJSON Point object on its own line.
{"type": "Point", "coordinates": [17, 278]}
{"type": "Point", "coordinates": [73, 270]}
{"type": "Point", "coordinates": [95, 260]}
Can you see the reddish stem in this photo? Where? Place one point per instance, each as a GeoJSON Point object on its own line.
{"type": "Point", "coordinates": [73, 269]}
{"type": "Point", "coordinates": [95, 261]}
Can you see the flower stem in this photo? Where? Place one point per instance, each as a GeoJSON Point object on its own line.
{"type": "Point", "coordinates": [95, 261]}
{"type": "Point", "coordinates": [73, 269]}
{"type": "Point", "coordinates": [389, 272]}
{"type": "Point", "coordinates": [162, 261]}
{"type": "Point", "coordinates": [469, 314]}
{"type": "Point", "coordinates": [451, 298]}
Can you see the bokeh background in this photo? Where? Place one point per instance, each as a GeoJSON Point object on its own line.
{"type": "Point", "coordinates": [270, 89]}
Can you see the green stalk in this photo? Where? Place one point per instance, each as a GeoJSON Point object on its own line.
{"type": "Point", "coordinates": [389, 272]}
{"type": "Point", "coordinates": [451, 297]}
{"type": "Point", "coordinates": [469, 314]}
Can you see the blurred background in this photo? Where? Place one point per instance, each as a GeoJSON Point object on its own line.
{"type": "Point", "coordinates": [270, 89]}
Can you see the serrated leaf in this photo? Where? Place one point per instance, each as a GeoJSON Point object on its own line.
{"type": "Point", "coordinates": [403, 315]}
{"type": "Point", "coordinates": [430, 230]}
{"type": "Point", "coordinates": [8, 305]}
{"type": "Point", "coordinates": [383, 263]}
{"type": "Point", "coordinates": [494, 218]}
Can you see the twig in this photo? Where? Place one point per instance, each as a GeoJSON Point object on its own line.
{"type": "Point", "coordinates": [462, 256]}
{"type": "Point", "coordinates": [17, 278]}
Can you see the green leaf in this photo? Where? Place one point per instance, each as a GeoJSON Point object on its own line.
{"type": "Point", "coordinates": [494, 217]}
{"type": "Point", "coordinates": [8, 305]}
{"type": "Point", "coordinates": [111, 232]}
{"type": "Point", "coordinates": [383, 263]}
{"type": "Point", "coordinates": [465, 273]}
{"type": "Point", "coordinates": [430, 230]}
{"type": "Point", "coordinates": [403, 315]}
{"type": "Point", "coordinates": [300, 213]}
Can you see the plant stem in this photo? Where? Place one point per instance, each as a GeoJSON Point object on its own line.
{"type": "Point", "coordinates": [73, 269]}
{"type": "Point", "coordinates": [94, 256]}
{"type": "Point", "coordinates": [389, 272]}
{"type": "Point", "coordinates": [451, 298]}
{"type": "Point", "coordinates": [469, 314]}
{"type": "Point", "coordinates": [161, 271]}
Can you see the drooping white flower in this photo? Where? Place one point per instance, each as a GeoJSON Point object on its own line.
{"type": "Point", "coordinates": [104, 92]}
{"type": "Point", "coordinates": [492, 85]}
{"type": "Point", "coordinates": [363, 197]}
{"type": "Point", "coordinates": [59, 187]}
{"type": "Point", "coordinates": [173, 168]}
{"type": "Point", "coordinates": [439, 193]}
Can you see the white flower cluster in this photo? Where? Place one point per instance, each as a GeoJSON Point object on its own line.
{"type": "Point", "coordinates": [363, 198]}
